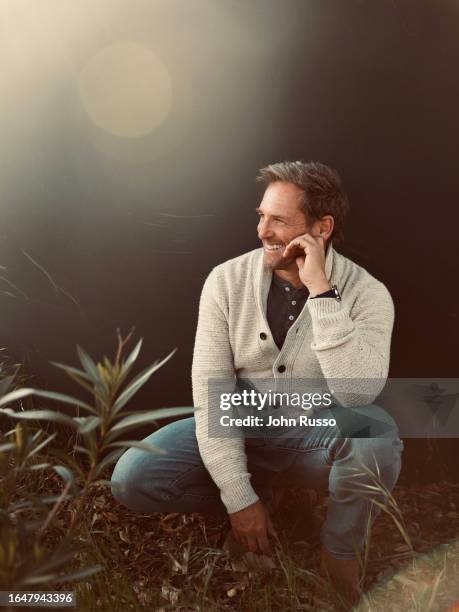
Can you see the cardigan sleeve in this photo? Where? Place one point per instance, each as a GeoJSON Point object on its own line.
{"type": "Point", "coordinates": [353, 344]}
{"type": "Point", "coordinates": [224, 458]}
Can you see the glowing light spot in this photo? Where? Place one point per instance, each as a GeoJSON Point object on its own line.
{"type": "Point", "coordinates": [126, 90]}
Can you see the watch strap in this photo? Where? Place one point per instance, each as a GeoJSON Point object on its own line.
{"type": "Point", "coordinates": [331, 293]}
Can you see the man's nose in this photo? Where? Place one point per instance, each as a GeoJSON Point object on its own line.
{"type": "Point", "coordinates": [264, 230]}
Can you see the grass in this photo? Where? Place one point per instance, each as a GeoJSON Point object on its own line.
{"type": "Point", "coordinates": [174, 563]}
{"type": "Point", "coordinates": [61, 529]}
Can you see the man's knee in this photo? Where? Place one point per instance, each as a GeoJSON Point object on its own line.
{"type": "Point", "coordinates": [127, 477]}
{"type": "Point", "coordinates": [373, 421]}
{"type": "Point", "coordinates": [380, 457]}
{"type": "Point", "coordinates": [148, 481]}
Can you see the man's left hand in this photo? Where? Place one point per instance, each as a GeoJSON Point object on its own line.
{"type": "Point", "coordinates": [311, 265]}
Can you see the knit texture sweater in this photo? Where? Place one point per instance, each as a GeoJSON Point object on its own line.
{"type": "Point", "coordinates": [331, 339]}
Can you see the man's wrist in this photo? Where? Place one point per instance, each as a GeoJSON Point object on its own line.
{"type": "Point", "coordinates": [318, 288]}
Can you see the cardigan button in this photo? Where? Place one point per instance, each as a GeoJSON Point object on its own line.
{"type": "Point", "coordinates": [281, 368]}
{"type": "Point", "coordinates": [263, 336]}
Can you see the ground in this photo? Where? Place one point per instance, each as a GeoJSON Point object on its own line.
{"type": "Point", "coordinates": [175, 561]}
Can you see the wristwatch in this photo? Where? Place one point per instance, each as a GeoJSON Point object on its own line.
{"type": "Point", "coordinates": [331, 293]}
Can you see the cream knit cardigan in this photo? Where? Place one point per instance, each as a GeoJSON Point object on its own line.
{"type": "Point", "coordinates": [329, 340]}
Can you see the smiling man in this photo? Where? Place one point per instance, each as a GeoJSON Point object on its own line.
{"type": "Point", "coordinates": [293, 309]}
{"type": "Point", "coordinates": [287, 237]}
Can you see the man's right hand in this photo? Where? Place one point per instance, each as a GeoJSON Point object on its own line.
{"type": "Point", "coordinates": [252, 526]}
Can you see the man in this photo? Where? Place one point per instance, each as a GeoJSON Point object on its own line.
{"type": "Point", "coordinates": [293, 309]}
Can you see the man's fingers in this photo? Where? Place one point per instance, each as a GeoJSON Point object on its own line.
{"type": "Point", "coordinates": [252, 543]}
{"type": "Point", "coordinates": [250, 528]}
{"type": "Point", "coordinates": [297, 243]}
{"type": "Point", "coordinates": [271, 530]}
{"type": "Point", "coordinates": [243, 540]}
{"type": "Point", "coordinates": [300, 261]}
{"type": "Point", "coordinates": [313, 239]}
{"type": "Point", "coordinates": [263, 544]}
{"type": "Point", "coordinates": [237, 537]}
{"type": "Point", "coordinates": [304, 241]}
{"type": "Point", "coordinates": [257, 543]}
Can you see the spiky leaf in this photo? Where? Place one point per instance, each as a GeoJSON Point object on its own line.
{"type": "Point", "coordinates": [65, 473]}
{"type": "Point", "coordinates": [138, 382]}
{"type": "Point", "coordinates": [67, 399]}
{"type": "Point", "coordinates": [135, 420]}
{"type": "Point", "coordinates": [133, 355]}
{"type": "Point", "coordinates": [6, 383]}
{"type": "Point", "coordinates": [109, 459]}
{"type": "Point", "coordinates": [15, 395]}
{"type": "Point", "coordinates": [88, 364]}
{"type": "Point", "coordinates": [4, 448]}
{"type": "Point", "coordinates": [87, 424]}
{"type": "Point", "coordinates": [42, 444]}
{"type": "Point", "coordinates": [44, 415]}
{"type": "Point", "coordinates": [70, 370]}
{"type": "Point", "coordinates": [80, 574]}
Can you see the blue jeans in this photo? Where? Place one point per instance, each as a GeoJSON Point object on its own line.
{"type": "Point", "coordinates": [179, 482]}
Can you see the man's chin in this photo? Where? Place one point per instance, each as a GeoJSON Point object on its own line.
{"type": "Point", "coordinates": [275, 261]}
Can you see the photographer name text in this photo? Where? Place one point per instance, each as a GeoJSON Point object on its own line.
{"type": "Point", "coordinates": [271, 421]}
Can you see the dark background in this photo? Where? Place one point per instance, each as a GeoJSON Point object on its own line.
{"type": "Point", "coordinates": [101, 230]}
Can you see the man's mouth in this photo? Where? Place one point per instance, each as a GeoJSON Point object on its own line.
{"type": "Point", "coordinates": [273, 247]}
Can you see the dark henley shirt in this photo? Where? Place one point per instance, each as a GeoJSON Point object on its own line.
{"type": "Point", "coordinates": [285, 303]}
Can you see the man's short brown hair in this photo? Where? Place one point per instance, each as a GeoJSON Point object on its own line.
{"type": "Point", "coordinates": [322, 188]}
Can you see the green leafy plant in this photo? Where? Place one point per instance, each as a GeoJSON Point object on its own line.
{"type": "Point", "coordinates": [28, 554]}
{"type": "Point", "coordinates": [107, 419]}
{"type": "Point", "coordinates": [27, 558]}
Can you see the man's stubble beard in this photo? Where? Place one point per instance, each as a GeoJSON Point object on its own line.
{"type": "Point", "coordinates": [278, 263]}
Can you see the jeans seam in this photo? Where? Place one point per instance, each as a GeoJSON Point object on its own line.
{"type": "Point", "coordinates": [300, 450]}
{"type": "Point", "coordinates": [200, 497]}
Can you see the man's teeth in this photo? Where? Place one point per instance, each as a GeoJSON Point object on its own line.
{"type": "Point", "coordinates": [274, 247]}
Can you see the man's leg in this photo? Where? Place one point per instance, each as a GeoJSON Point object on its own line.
{"type": "Point", "coordinates": [178, 481]}
{"type": "Point", "coordinates": [317, 458]}
{"type": "Point", "coordinates": [173, 482]}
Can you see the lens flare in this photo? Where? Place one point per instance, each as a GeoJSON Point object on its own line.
{"type": "Point", "coordinates": [126, 90]}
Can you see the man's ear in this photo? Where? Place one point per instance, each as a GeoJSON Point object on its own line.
{"type": "Point", "coordinates": [325, 226]}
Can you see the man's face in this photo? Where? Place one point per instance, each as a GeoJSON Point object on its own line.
{"type": "Point", "coordinates": [281, 220]}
